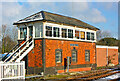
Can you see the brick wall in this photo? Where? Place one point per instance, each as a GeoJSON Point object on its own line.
{"type": "Point", "coordinates": [52, 45]}
{"type": "Point", "coordinates": [102, 56]}
{"type": "Point", "coordinates": [35, 55]}
{"type": "Point", "coordinates": [113, 54]}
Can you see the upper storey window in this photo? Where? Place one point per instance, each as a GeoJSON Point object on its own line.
{"type": "Point", "coordinates": [70, 33]}
{"type": "Point", "coordinates": [64, 33]}
{"type": "Point", "coordinates": [56, 32]}
{"type": "Point", "coordinates": [77, 34]}
{"type": "Point", "coordinates": [49, 31]}
{"type": "Point", "coordinates": [23, 32]}
{"type": "Point", "coordinates": [38, 31]}
{"type": "Point", "coordinates": [82, 35]}
{"type": "Point", "coordinates": [88, 35]}
{"type": "Point", "coordinates": [67, 33]}
{"type": "Point", "coordinates": [92, 36]}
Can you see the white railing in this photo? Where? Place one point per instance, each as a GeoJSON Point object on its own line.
{"type": "Point", "coordinates": [12, 70]}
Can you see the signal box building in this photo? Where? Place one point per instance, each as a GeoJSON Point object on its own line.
{"type": "Point", "coordinates": [55, 38]}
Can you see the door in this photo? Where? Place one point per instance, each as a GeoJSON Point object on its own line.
{"type": "Point", "coordinates": [30, 31]}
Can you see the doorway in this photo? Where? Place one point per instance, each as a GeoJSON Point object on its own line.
{"type": "Point", "coordinates": [30, 31]}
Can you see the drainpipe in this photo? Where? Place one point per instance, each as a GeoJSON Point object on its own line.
{"type": "Point", "coordinates": [107, 55]}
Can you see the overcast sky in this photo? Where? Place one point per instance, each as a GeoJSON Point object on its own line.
{"type": "Point", "coordinates": [103, 15]}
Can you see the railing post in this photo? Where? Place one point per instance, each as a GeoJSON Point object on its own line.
{"type": "Point", "coordinates": [1, 72]}
{"type": "Point", "coordinates": [23, 69]}
{"type": "Point", "coordinates": [19, 69]}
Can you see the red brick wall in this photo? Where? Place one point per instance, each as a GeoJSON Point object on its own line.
{"type": "Point", "coordinates": [52, 45]}
{"type": "Point", "coordinates": [35, 55]}
{"type": "Point", "coordinates": [102, 56]}
{"type": "Point", "coordinates": [113, 54]}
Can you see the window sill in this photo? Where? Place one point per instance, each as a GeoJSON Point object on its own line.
{"type": "Point", "coordinates": [73, 63]}
{"type": "Point", "coordinates": [87, 62]}
{"type": "Point", "coordinates": [58, 64]}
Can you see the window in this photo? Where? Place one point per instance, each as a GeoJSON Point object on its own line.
{"type": "Point", "coordinates": [87, 55]}
{"type": "Point", "coordinates": [92, 36]}
{"type": "Point", "coordinates": [58, 53]}
{"type": "Point", "coordinates": [74, 55]}
{"type": "Point", "coordinates": [88, 35]}
{"type": "Point", "coordinates": [82, 35]}
{"type": "Point", "coordinates": [77, 34]}
{"type": "Point", "coordinates": [37, 31]}
{"type": "Point", "coordinates": [64, 33]}
{"type": "Point", "coordinates": [70, 33]}
{"type": "Point", "coordinates": [23, 32]}
{"type": "Point", "coordinates": [49, 31]}
{"type": "Point", "coordinates": [56, 32]}
{"type": "Point", "coordinates": [30, 31]}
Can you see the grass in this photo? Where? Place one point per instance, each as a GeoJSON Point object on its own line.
{"type": "Point", "coordinates": [71, 75]}
{"type": "Point", "coordinates": [56, 76]}
{"type": "Point", "coordinates": [104, 67]}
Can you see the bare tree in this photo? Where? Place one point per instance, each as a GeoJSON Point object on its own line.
{"type": "Point", "coordinates": [9, 38]}
{"type": "Point", "coordinates": [102, 34]}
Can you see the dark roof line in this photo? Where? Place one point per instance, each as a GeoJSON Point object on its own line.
{"type": "Point", "coordinates": [48, 16]}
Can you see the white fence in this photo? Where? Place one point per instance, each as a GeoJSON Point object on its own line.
{"type": "Point", "coordinates": [12, 70]}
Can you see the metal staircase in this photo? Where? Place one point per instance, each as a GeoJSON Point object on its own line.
{"type": "Point", "coordinates": [19, 51]}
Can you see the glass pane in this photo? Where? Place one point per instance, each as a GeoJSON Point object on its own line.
{"type": "Point", "coordinates": [73, 60]}
{"type": "Point", "coordinates": [30, 31]}
{"type": "Point", "coordinates": [70, 33]}
{"type": "Point", "coordinates": [74, 56]}
{"type": "Point", "coordinates": [87, 55]}
{"type": "Point", "coordinates": [23, 32]}
{"type": "Point", "coordinates": [92, 36]}
{"type": "Point", "coordinates": [49, 31]}
{"type": "Point", "coordinates": [88, 35]}
{"type": "Point", "coordinates": [58, 56]}
{"type": "Point", "coordinates": [56, 32]}
{"type": "Point", "coordinates": [64, 33]}
{"type": "Point", "coordinates": [82, 35]}
{"type": "Point", "coordinates": [37, 31]}
{"type": "Point", "coordinates": [76, 34]}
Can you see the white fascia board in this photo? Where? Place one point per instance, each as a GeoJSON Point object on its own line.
{"type": "Point", "coordinates": [70, 39]}
{"type": "Point", "coordinates": [110, 47]}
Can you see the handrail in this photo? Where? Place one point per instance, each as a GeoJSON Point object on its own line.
{"type": "Point", "coordinates": [11, 51]}
{"type": "Point", "coordinates": [21, 51]}
{"type": "Point", "coordinates": [17, 50]}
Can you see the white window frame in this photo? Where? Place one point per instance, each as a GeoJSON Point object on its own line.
{"type": "Point", "coordinates": [69, 27]}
